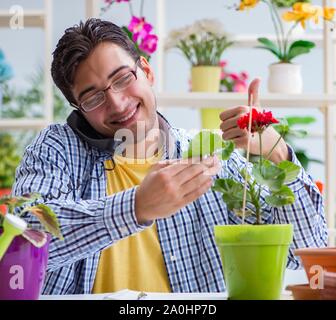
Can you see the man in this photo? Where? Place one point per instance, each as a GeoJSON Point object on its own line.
{"type": "Point", "coordinates": [145, 226]}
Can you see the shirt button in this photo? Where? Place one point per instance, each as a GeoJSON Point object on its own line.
{"type": "Point", "coordinates": [123, 231]}
{"type": "Point", "coordinates": [172, 258]}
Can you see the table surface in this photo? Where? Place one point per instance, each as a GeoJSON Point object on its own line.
{"type": "Point", "coordinates": [136, 295]}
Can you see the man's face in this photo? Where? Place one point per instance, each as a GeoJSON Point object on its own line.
{"type": "Point", "coordinates": [121, 110]}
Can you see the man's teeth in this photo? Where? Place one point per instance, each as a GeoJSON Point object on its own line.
{"type": "Point", "coordinates": [128, 116]}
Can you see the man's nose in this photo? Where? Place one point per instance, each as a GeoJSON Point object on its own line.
{"type": "Point", "coordinates": [116, 100]}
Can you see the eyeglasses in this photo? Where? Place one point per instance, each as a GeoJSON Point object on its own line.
{"type": "Point", "coordinates": [117, 85]}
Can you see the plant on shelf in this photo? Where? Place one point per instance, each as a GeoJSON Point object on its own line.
{"type": "Point", "coordinates": [10, 159]}
{"type": "Point", "coordinates": [25, 246]}
{"type": "Point", "coordinates": [231, 81]}
{"type": "Point", "coordinates": [247, 250]}
{"type": "Point", "coordinates": [285, 77]}
{"type": "Point", "coordinates": [6, 73]}
{"type": "Point", "coordinates": [202, 43]}
{"type": "Point", "coordinates": [138, 29]}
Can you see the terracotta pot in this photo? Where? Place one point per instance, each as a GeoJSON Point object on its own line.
{"type": "Point", "coordinates": [324, 257]}
{"type": "Point", "coordinates": [4, 192]}
{"type": "Point", "coordinates": [304, 292]}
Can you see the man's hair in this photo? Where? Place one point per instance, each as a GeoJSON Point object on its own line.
{"type": "Point", "coordinates": [77, 43]}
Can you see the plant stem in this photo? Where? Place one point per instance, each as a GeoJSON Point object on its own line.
{"type": "Point", "coordinates": [141, 8]}
{"type": "Point", "coordinates": [131, 8]}
{"type": "Point", "coordinates": [275, 11]}
{"type": "Point", "coordinates": [287, 39]}
{"type": "Point", "coordinates": [260, 149]}
{"type": "Point", "coordinates": [275, 20]}
{"type": "Point", "coordinates": [270, 153]}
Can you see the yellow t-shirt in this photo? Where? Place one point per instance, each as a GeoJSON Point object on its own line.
{"type": "Point", "coordinates": [135, 262]}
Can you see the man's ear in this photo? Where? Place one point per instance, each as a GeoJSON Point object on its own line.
{"type": "Point", "coordinates": [147, 69]}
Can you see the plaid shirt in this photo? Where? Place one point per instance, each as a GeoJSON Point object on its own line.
{"type": "Point", "coordinates": [70, 176]}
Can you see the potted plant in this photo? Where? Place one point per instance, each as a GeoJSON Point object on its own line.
{"type": "Point", "coordinates": [23, 249]}
{"type": "Point", "coordinates": [252, 252]}
{"type": "Point", "coordinates": [6, 73]}
{"type": "Point", "coordinates": [10, 159]}
{"type": "Point", "coordinates": [202, 44]}
{"type": "Point", "coordinates": [284, 75]}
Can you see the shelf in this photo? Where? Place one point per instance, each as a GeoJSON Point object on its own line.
{"type": "Point", "coordinates": [31, 18]}
{"type": "Point", "coordinates": [224, 100]}
{"type": "Point", "coordinates": [20, 123]}
{"type": "Point", "coordinates": [250, 40]}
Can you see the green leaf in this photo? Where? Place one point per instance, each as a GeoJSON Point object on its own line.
{"type": "Point", "coordinates": [207, 143]}
{"type": "Point", "coordinates": [280, 198]}
{"type": "Point", "coordinates": [292, 170]}
{"type": "Point", "coordinates": [47, 218]}
{"type": "Point", "coordinates": [232, 192]}
{"type": "Point", "coordinates": [298, 133]}
{"type": "Point", "coordinates": [225, 153]}
{"type": "Point", "coordinates": [269, 45]}
{"type": "Point", "coordinates": [293, 120]}
{"type": "Point", "coordinates": [299, 47]}
{"type": "Point", "coordinates": [269, 175]}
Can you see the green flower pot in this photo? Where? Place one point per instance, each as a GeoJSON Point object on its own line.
{"type": "Point", "coordinates": [254, 259]}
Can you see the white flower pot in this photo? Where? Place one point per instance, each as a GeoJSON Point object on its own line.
{"type": "Point", "coordinates": [285, 78]}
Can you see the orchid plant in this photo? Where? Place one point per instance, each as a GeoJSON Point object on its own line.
{"type": "Point", "coordinates": [46, 216]}
{"type": "Point", "coordinates": [202, 43]}
{"type": "Point", "coordinates": [232, 81]}
{"type": "Point", "coordinates": [138, 29]}
{"type": "Point", "coordinates": [264, 173]}
{"type": "Point", "coordinates": [284, 49]}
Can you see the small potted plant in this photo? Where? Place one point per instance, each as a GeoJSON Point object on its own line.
{"type": "Point", "coordinates": [251, 252]}
{"type": "Point", "coordinates": [10, 159]}
{"type": "Point", "coordinates": [202, 44]}
{"type": "Point", "coordinates": [23, 249]}
{"type": "Point", "coordinates": [284, 75]}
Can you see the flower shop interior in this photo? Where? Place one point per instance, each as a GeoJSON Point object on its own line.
{"type": "Point", "coordinates": [253, 39]}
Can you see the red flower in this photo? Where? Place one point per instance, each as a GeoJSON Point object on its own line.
{"type": "Point", "coordinates": [260, 120]}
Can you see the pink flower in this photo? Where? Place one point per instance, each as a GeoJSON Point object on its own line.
{"type": "Point", "coordinates": [149, 43]}
{"type": "Point", "coordinates": [243, 75]}
{"type": "Point", "coordinates": [240, 87]}
{"type": "Point", "coordinates": [234, 76]}
{"type": "Point", "coordinates": [223, 75]}
{"type": "Point", "coordinates": [222, 63]}
{"type": "Point", "coordinates": [139, 27]}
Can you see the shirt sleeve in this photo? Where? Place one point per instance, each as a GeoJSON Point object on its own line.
{"type": "Point", "coordinates": [88, 226]}
{"type": "Point", "coordinates": [306, 214]}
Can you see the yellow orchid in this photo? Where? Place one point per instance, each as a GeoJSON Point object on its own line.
{"type": "Point", "coordinates": [247, 4]}
{"type": "Point", "coordinates": [328, 13]}
{"type": "Point", "coordinates": [302, 12]}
